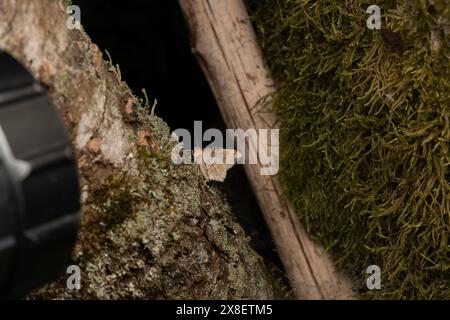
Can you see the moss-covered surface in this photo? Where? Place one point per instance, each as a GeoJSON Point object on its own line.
{"type": "Point", "coordinates": [365, 134]}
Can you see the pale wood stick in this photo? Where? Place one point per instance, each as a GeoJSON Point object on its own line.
{"type": "Point", "coordinates": [226, 47]}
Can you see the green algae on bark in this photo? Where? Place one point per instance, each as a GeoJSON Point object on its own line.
{"type": "Point", "coordinates": [365, 134]}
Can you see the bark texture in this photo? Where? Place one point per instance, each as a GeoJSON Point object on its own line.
{"type": "Point", "coordinates": [149, 229]}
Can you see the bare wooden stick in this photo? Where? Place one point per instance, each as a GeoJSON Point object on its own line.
{"type": "Point", "coordinates": [226, 47]}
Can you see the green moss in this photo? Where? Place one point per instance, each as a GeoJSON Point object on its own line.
{"type": "Point", "coordinates": [66, 3]}
{"type": "Point", "coordinates": [365, 134]}
{"type": "Point", "coordinates": [109, 207]}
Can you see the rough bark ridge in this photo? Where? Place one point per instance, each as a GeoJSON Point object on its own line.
{"type": "Point", "coordinates": [149, 229]}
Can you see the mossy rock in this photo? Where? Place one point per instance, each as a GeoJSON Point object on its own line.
{"type": "Point", "coordinates": [365, 134]}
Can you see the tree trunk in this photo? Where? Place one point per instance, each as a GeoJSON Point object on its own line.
{"type": "Point", "coordinates": [149, 229]}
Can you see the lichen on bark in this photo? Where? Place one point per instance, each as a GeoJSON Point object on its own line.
{"type": "Point", "coordinates": [149, 229]}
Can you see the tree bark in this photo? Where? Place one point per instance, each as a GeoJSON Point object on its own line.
{"type": "Point", "coordinates": [149, 229]}
{"type": "Point", "coordinates": [227, 50]}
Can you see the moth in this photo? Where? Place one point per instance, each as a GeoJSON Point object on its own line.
{"type": "Point", "coordinates": [391, 38]}
{"type": "Point", "coordinates": [214, 162]}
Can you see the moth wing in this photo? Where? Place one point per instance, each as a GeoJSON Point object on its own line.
{"type": "Point", "coordinates": [198, 155]}
{"type": "Point", "coordinates": [231, 156]}
{"type": "Point", "coordinates": [214, 163]}
{"type": "Point", "coordinates": [217, 172]}
{"type": "Point", "coordinates": [198, 159]}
